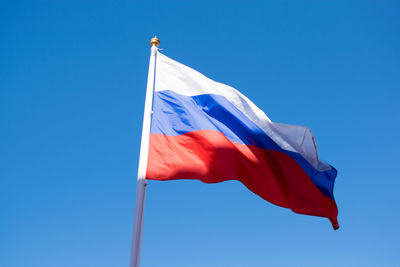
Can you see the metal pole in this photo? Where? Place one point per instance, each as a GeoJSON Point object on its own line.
{"type": "Point", "coordinates": [144, 151]}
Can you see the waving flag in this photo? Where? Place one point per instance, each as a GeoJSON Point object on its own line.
{"type": "Point", "coordinates": [205, 130]}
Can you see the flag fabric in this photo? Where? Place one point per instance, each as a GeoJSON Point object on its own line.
{"type": "Point", "coordinates": [205, 130]}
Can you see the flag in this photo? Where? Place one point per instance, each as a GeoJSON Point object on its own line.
{"type": "Point", "coordinates": [205, 130]}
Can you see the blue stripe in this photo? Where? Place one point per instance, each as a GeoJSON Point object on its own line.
{"type": "Point", "coordinates": [175, 114]}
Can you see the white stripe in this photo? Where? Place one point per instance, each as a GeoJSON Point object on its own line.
{"type": "Point", "coordinates": [174, 76]}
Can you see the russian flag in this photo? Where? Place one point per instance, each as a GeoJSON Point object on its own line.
{"type": "Point", "coordinates": [205, 130]}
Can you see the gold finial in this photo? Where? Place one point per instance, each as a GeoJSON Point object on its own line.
{"type": "Point", "coordinates": [155, 41]}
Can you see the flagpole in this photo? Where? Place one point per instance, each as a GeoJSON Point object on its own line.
{"type": "Point", "coordinates": [143, 156]}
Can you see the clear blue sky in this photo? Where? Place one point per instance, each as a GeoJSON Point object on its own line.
{"type": "Point", "coordinates": [72, 85]}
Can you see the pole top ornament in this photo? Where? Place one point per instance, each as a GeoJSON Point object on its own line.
{"type": "Point", "coordinates": [155, 41]}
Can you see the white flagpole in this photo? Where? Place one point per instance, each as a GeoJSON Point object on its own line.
{"type": "Point", "coordinates": [143, 156]}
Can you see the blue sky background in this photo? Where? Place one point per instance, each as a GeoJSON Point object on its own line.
{"type": "Point", "coordinates": [72, 86]}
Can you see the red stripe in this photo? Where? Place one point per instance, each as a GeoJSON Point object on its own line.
{"type": "Point", "coordinates": [209, 156]}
